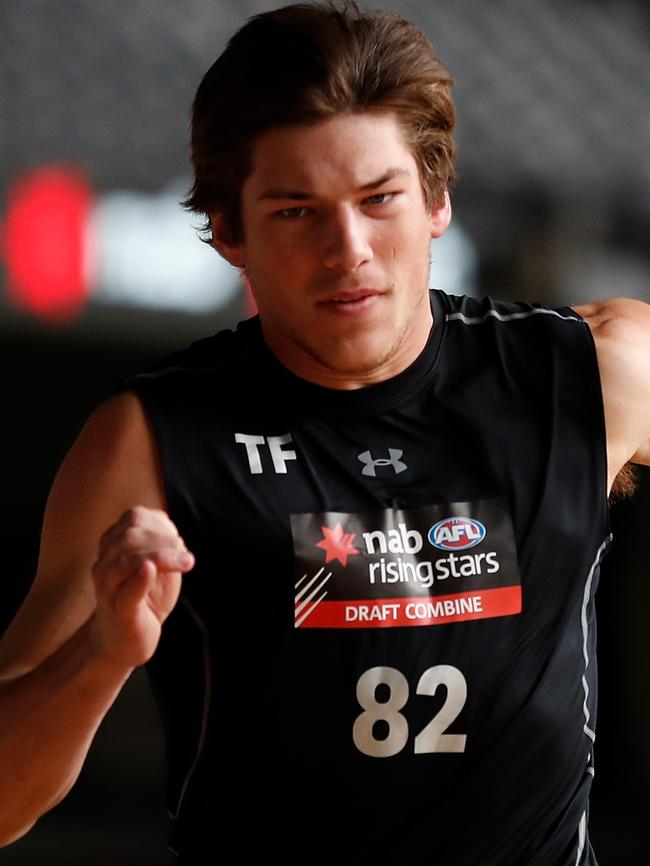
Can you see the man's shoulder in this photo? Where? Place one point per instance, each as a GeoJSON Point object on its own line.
{"type": "Point", "coordinates": [209, 355]}
{"type": "Point", "coordinates": [621, 332]}
{"type": "Point", "coordinates": [622, 318]}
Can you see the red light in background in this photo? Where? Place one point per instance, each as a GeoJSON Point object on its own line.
{"type": "Point", "coordinates": [43, 242]}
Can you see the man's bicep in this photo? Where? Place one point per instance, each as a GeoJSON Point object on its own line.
{"type": "Point", "coordinates": [631, 382]}
{"type": "Point", "coordinates": [112, 466]}
{"type": "Point", "coordinates": [621, 331]}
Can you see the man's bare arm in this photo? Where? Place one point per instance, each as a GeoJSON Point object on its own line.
{"type": "Point", "coordinates": [621, 331]}
{"type": "Point", "coordinates": [93, 614]}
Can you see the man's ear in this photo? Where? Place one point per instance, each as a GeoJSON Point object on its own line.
{"type": "Point", "coordinates": [223, 243]}
{"type": "Point", "coordinates": [441, 216]}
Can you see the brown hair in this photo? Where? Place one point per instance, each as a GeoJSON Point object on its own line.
{"type": "Point", "coordinates": [625, 484]}
{"type": "Point", "coordinates": [305, 63]}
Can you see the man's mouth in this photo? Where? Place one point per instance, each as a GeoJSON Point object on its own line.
{"type": "Point", "coordinates": [351, 300]}
{"type": "Point", "coordinates": [353, 296]}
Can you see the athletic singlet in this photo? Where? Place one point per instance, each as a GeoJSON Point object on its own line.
{"type": "Point", "coordinates": [386, 651]}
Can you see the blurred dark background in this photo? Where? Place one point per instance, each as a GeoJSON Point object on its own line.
{"type": "Point", "coordinates": [101, 273]}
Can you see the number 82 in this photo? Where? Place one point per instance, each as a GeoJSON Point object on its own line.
{"type": "Point", "coordinates": [432, 738]}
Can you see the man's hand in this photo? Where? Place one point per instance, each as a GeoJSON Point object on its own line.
{"type": "Point", "coordinates": [83, 627]}
{"type": "Point", "coordinates": [137, 579]}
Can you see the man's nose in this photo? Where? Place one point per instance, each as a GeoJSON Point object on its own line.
{"type": "Point", "coordinates": [346, 241]}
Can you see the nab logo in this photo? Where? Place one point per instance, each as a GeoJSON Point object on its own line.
{"type": "Point", "coordinates": [456, 533]}
{"type": "Point", "coordinates": [338, 544]}
{"type": "Point", "coordinates": [371, 464]}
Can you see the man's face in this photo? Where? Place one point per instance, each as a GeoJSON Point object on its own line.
{"type": "Point", "coordinates": [336, 248]}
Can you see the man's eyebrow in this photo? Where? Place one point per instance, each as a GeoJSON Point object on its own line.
{"type": "Point", "coordinates": [301, 195]}
{"type": "Point", "coordinates": [388, 175]}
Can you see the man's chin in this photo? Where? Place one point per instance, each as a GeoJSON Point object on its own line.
{"type": "Point", "coordinates": [361, 359]}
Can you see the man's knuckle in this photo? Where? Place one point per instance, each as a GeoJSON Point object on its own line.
{"type": "Point", "coordinates": [132, 536]}
{"type": "Point", "coordinates": [135, 516]}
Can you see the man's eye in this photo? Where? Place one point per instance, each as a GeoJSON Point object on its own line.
{"type": "Point", "coordinates": [380, 198]}
{"type": "Point", "coordinates": [292, 213]}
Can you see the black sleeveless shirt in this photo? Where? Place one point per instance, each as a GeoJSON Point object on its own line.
{"type": "Point", "coordinates": [386, 650]}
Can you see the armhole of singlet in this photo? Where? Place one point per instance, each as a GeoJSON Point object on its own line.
{"type": "Point", "coordinates": [594, 389]}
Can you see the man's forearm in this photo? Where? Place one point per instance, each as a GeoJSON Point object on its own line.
{"type": "Point", "coordinates": [48, 719]}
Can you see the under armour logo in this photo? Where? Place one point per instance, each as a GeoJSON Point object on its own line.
{"type": "Point", "coordinates": [371, 464]}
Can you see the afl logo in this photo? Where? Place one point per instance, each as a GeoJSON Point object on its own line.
{"type": "Point", "coordinates": [456, 533]}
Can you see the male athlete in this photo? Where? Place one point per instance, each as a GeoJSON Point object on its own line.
{"type": "Point", "coordinates": [393, 503]}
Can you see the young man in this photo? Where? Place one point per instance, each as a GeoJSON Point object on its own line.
{"type": "Point", "coordinates": [395, 503]}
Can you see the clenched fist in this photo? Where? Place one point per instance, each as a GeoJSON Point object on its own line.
{"type": "Point", "coordinates": [137, 579]}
